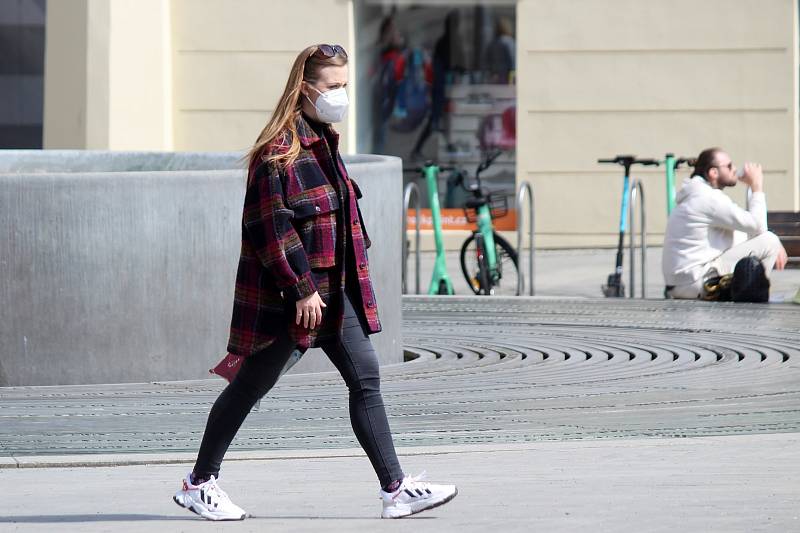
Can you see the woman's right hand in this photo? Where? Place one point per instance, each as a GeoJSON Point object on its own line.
{"type": "Point", "coordinates": [309, 311]}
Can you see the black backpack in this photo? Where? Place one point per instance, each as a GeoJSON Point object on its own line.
{"type": "Point", "coordinates": [750, 282]}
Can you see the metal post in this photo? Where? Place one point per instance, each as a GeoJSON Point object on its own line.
{"type": "Point", "coordinates": [525, 189]}
{"type": "Point", "coordinates": [411, 189]}
{"type": "Point", "coordinates": [636, 195]}
{"type": "Point", "coordinates": [643, 237]}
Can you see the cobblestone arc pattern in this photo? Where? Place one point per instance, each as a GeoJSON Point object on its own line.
{"type": "Point", "coordinates": [481, 370]}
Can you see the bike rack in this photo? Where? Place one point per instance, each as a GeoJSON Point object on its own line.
{"type": "Point", "coordinates": [637, 192]}
{"type": "Point", "coordinates": [525, 189]}
{"type": "Point", "coordinates": [410, 190]}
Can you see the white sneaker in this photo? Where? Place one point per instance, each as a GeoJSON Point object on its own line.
{"type": "Point", "coordinates": [208, 500]}
{"type": "Point", "coordinates": [414, 496]}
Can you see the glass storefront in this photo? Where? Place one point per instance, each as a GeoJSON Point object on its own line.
{"type": "Point", "coordinates": [436, 81]}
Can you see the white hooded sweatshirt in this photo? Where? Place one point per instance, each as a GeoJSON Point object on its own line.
{"type": "Point", "coordinates": [703, 225]}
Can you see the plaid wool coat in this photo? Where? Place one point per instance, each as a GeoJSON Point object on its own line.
{"type": "Point", "coordinates": [293, 244]}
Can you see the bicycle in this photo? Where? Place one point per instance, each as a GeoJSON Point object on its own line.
{"type": "Point", "coordinates": [489, 263]}
{"type": "Point", "coordinates": [494, 269]}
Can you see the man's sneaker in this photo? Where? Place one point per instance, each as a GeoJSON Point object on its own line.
{"type": "Point", "coordinates": [208, 500]}
{"type": "Point", "coordinates": [414, 496]}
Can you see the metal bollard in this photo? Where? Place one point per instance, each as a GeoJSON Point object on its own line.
{"type": "Point", "coordinates": [411, 189]}
{"type": "Point", "coordinates": [525, 189]}
{"type": "Point", "coordinates": [637, 194]}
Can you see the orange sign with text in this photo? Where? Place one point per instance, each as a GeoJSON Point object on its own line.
{"type": "Point", "coordinates": [455, 219]}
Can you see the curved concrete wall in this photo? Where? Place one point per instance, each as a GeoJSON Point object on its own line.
{"type": "Point", "coordinates": [40, 161]}
{"type": "Point", "coordinates": [128, 276]}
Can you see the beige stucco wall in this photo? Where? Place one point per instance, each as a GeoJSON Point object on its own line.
{"type": "Point", "coordinates": [177, 74]}
{"type": "Point", "coordinates": [107, 75]}
{"type": "Point", "coordinates": [597, 79]}
{"type": "Point", "coordinates": [74, 32]}
{"type": "Point", "coordinates": [231, 62]}
{"type": "Point", "coordinates": [140, 75]}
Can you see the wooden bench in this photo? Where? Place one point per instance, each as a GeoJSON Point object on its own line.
{"type": "Point", "coordinates": [786, 225]}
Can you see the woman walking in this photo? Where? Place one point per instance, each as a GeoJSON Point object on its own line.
{"type": "Point", "coordinates": [303, 281]}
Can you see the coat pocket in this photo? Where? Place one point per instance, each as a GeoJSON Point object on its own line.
{"type": "Point", "coordinates": [315, 213]}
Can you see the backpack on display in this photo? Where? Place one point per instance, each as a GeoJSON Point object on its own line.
{"type": "Point", "coordinates": [412, 100]}
{"type": "Point", "coordinates": [386, 88]}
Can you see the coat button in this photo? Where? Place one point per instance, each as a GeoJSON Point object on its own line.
{"type": "Point", "coordinates": [355, 222]}
{"type": "Point", "coordinates": [362, 266]}
{"type": "Point", "coordinates": [317, 208]}
{"type": "Point", "coordinates": [370, 304]}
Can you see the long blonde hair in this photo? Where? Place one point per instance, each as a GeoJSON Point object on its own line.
{"type": "Point", "coordinates": [281, 126]}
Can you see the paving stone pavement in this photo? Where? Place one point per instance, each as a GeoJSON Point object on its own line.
{"type": "Point", "coordinates": [486, 371]}
{"type": "Point", "coordinates": [495, 370]}
{"type": "Point", "coordinates": [714, 484]}
{"type": "Point", "coordinates": [557, 414]}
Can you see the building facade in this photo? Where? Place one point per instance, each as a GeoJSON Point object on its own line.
{"type": "Point", "coordinates": [590, 79]}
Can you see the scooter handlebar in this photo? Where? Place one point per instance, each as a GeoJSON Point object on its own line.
{"type": "Point", "coordinates": [421, 169]}
{"type": "Point", "coordinates": [628, 160]}
{"type": "Point", "coordinates": [624, 159]}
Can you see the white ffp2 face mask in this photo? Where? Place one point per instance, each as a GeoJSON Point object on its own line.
{"type": "Point", "coordinates": [331, 106]}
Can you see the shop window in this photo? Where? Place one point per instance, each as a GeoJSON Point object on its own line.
{"type": "Point", "coordinates": [437, 82]}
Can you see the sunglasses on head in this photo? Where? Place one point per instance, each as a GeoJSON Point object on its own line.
{"type": "Point", "coordinates": [330, 50]}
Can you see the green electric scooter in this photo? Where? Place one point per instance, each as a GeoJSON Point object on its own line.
{"type": "Point", "coordinates": [440, 280]}
{"type": "Point", "coordinates": [672, 164]}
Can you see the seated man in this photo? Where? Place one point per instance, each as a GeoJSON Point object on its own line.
{"type": "Point", "coordinates": [707, 230]}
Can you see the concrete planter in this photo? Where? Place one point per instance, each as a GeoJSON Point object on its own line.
{"type": "Point", "coordinates": [119, 266]}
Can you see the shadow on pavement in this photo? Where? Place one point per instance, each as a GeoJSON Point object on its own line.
{"type": "Point", "coordinates": [77, 518]}
{"type": "Point", "coordinates": [72, 518]}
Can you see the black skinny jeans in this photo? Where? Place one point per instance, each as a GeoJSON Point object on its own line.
{"type": "Point", "coordinates": [355, 359]}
